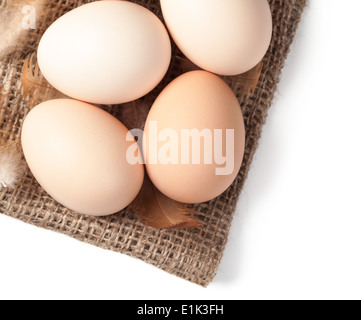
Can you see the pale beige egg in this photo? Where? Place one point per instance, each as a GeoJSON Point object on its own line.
{"type": "Point", "coordinates": [194, 138]}
{"type": "Point", "coordinates": [226, 37]}
{"type": "Point", "coordinates": [78, 154]}
{"type": "Point", "coordinates": [105, 52]}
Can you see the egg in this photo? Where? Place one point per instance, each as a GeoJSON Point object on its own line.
{"type": "Point", "coordinates": [194, 138]}
{"type": "Point", "coordinates": [78, 154]}
{"type": "Point", "coordinates": [105, 52]}
{"type": "Point", "coordinates": [227, 37]}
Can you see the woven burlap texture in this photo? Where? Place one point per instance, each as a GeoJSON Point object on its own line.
{"type": "Point", "coordinates": [193, 255]}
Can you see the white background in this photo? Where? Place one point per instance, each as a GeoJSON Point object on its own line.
{"type": "Point", "coordinates": [297, 231]}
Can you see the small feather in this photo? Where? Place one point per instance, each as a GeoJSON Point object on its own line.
{"type": "Point", "coordinates": [34, 85]}
{"type": "Point", "coordinates": [13, 35]}
{"type": "Point", "coordinates": [247, 82]}
{"type": "Point", "coordinates": [186, 65]}
{"type": "Point", "coordinates": [12, 165]}
{"type": "Point", "coordinates": [134, 114]}
{"type": "Point", "coordinates": [160, 212]}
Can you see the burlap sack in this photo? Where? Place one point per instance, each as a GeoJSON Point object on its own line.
{"type": "Point", "coordinates": [190, 254]}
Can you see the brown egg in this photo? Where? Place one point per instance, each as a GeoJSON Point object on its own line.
{"type": "Point", "coordinates": [78, 154]}
{"type": "Point", "coordinates": [194, 138]}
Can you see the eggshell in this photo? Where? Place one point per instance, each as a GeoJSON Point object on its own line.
{"type": "Point", "coordinates": [105, 52]}
{"type": "Point", "coordinates": [77, 152]}
{"type": "Point", "coordinates": [227, 37]}
{"type": "Point", "coordinates": [196, 100]}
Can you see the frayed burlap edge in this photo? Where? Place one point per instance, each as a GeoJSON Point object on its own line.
{"type": "Point", "coordinates": [193, 255]}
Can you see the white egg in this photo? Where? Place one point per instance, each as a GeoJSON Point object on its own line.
{"type": "Point", "coordinates": [105, 52]}
{"type": "Point", "coordinates": [226, 37]}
